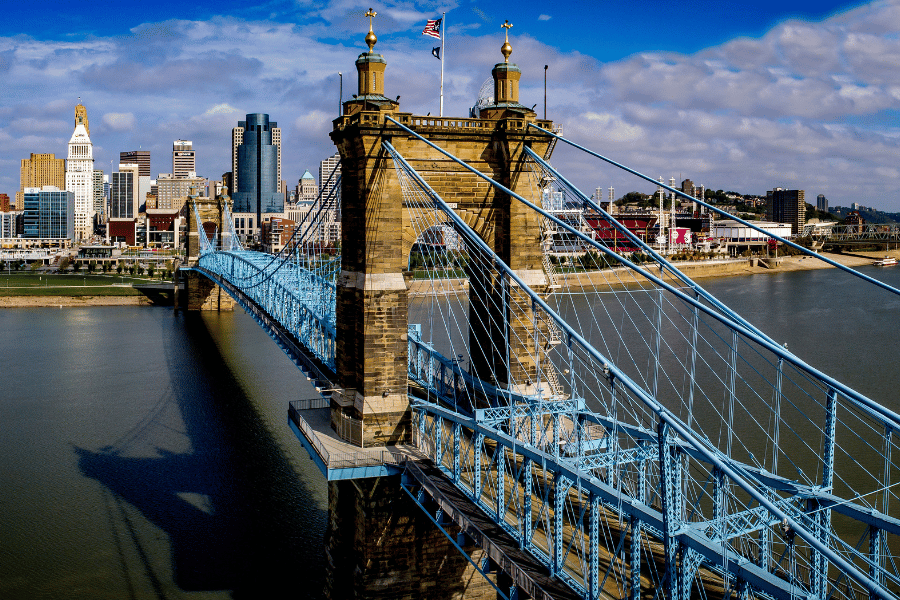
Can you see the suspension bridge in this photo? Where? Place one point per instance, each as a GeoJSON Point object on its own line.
{"type": "Point", "coordinates": [606, 432]}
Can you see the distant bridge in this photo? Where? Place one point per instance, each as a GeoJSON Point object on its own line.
{"type": "Point", "coordinates": [834, 234]}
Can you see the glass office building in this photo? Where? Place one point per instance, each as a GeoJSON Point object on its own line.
{"type": "Point", "coordinates": [49, 213]}
{"type": "Point", "coordinates": [257, 168]}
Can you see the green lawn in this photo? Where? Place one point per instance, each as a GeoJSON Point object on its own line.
{"type": "Point", "coordinates": [41, 284]}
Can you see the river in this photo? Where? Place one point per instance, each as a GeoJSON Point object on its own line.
{"type": "Point", "coordinates": [146, 454]}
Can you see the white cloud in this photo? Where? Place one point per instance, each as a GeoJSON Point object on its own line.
{"type": "Point", "coordinates": [221, 109]}
{"type": "Point", "coordinates": [544, 17]}
{"type": "Point", "coordinates": [807, 104]}
{"type": "Point", "coordinates": [119, 121]}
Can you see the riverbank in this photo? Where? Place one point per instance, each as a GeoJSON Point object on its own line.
{"type": "Point", "coordinates": [69, 301]}
{"type": "Point", "coordinates": [698, 270]}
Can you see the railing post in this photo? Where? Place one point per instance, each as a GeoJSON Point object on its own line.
{"type": "Point", "coordinates": [594, 548]}
{"type": "Point", "coordinates": [637, 527]}
{"type": "Point", "coordinates": [529, 490]}
{"type": "Point", "coordinates": [822, 518]}
{"type": "Point", "coordinates": [438, 446]}
{"type": "Point", "coordinates": [670, 487]}
{"type": "Point", "coordinates": [476, 475]}
{"type": "Point", "coordinates": [877, 542]}
{"type": "Point", "coordinates": [457, 435]}
{"type": "Point", "coordinates": [500, 453]}
{"type": "Point", "coordinates": [556, 559]}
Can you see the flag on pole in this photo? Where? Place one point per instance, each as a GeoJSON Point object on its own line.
{"type": "Point", "coordinates": [433, 28]}
{"type": "Point", "coordinates": [436, 52]}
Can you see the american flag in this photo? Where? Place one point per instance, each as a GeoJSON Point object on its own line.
{"type": "Point", "coordinates": [433, 28]}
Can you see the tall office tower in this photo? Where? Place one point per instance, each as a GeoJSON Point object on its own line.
{"type": "Point", "coordinates": [787, 206]}
{"type": "Point", "coordinates": [4, 203]}
{"type": "Point", "coordinates": [124, 202]}
{"type": "Point", "coordinates": [48, 213]}
{"type": "Point", "coordinates": [99, 194]}
{"type": "Point", "coordinates": [38, 171]}
{"type": "Point", "coordinates": [137, 157]}
{"type": "Point", "coordinates": [822, 203]}
{"type": "Point", "coordinates": [327, 181]}
{"type": "Point", "coordinates": [123, 192]}
{"type": "Point", "coordinates": [687, 186]}
{"type": "Point", "coordinates": [183, 159]}
{"type": "Point", "coordinates": [80, 179]}
{"type": "Point", "coordinates": [237, 139]}
{"type": "Point", "coordinates": [329, 174]}
{"type": "Point", "coordinates": [81, 117]}
{"type": "Point", "coordinates": [307, 190]}
{"type": "Point", "coordinates": [256, 176]}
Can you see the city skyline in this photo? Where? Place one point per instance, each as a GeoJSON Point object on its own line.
{"type": "Point", "coordinates": [809, 103]}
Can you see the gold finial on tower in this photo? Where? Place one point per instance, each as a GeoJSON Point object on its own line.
{"type": "Point", "coordinates": [506, 49]}
{"type": "Point", "coordinates": [370, 38]}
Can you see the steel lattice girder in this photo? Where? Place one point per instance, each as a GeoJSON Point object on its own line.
{"type": "Point", "coordinates": [709, 550]}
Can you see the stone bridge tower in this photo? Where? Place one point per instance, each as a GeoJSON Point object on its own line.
{"type": "Point", "coordinates": [200, 293]}
{"type": "Point", "coordinates": [377, 235]}
{"type": "Point", "coordinates": [378, 543]}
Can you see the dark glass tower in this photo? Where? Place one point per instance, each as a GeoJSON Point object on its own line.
{"type": "Point", "coordinates": [257, 168]}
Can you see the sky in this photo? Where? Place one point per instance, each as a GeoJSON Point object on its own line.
{"type": "Point", "coordinates": [732, 95]}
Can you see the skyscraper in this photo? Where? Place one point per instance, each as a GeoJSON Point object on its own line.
{"type": "Point", "coordinates": [38, 171]}
{"type": "Point", "coordinates": [124, 192]}
{"type": "Point", "coordinates": [257, 169]}
{"type": "Point", "coordinates": [329, 175]}
{"type": "Point", "coordinates": [327, 181]}
{"type": "Point", "coordinates": [99, 194]}
{"type": "Point", "coordinates": [822, 203]}
{"type": "Point", "coordinates": [141, 158]}
{"type": "Point", "coordinates": [787, 206]}
{"type": "Point", "coordinates": [183, 159]}
{"type": "Point", "coordinates": [80, 177]}
{"type": "Point", "coordinates": [81, 117]}
{"type": "Point", "coordinates": [237, 139]}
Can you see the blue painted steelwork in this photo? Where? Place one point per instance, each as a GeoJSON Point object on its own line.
{"type": "Point", "coordinates": [550, 470]}
{"type": "Point", "coordinates": [731, 565]}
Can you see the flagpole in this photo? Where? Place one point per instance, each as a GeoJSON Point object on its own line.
{"type": "Point", "coordinates": [443, 58]}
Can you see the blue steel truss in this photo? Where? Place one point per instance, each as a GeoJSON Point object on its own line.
{"type": "Point", "coordinates": [606, 473]}
{"type": "Point", "coordinates": [540, 451]}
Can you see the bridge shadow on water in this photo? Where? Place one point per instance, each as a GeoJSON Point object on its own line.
{"type": "Point", "coordinates": [236, 514]}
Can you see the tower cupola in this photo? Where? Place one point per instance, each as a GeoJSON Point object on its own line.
{"type": "Point", "coordinates": [370, 67]}
{"type": "Point", "coordinates": [506, 85]}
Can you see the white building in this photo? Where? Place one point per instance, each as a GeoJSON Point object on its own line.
{"type": "Point", "coordinates": [80, 179]}
{"type": "Point", "coordinates": [183, 159]}
{"type": "Point", "coordinates": [732, 231]}
{"type": "Point", "coordinates": [307, 190]}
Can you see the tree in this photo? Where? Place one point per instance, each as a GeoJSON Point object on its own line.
{"type": "Point", "coordinates": [633, 198]}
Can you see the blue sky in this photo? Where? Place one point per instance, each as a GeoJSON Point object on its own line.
{"type": "Point", "coordinates": [739, 96]}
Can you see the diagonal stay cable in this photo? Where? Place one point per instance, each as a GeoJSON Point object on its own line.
{"type": "Point", "coordinates": [728, 467]}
